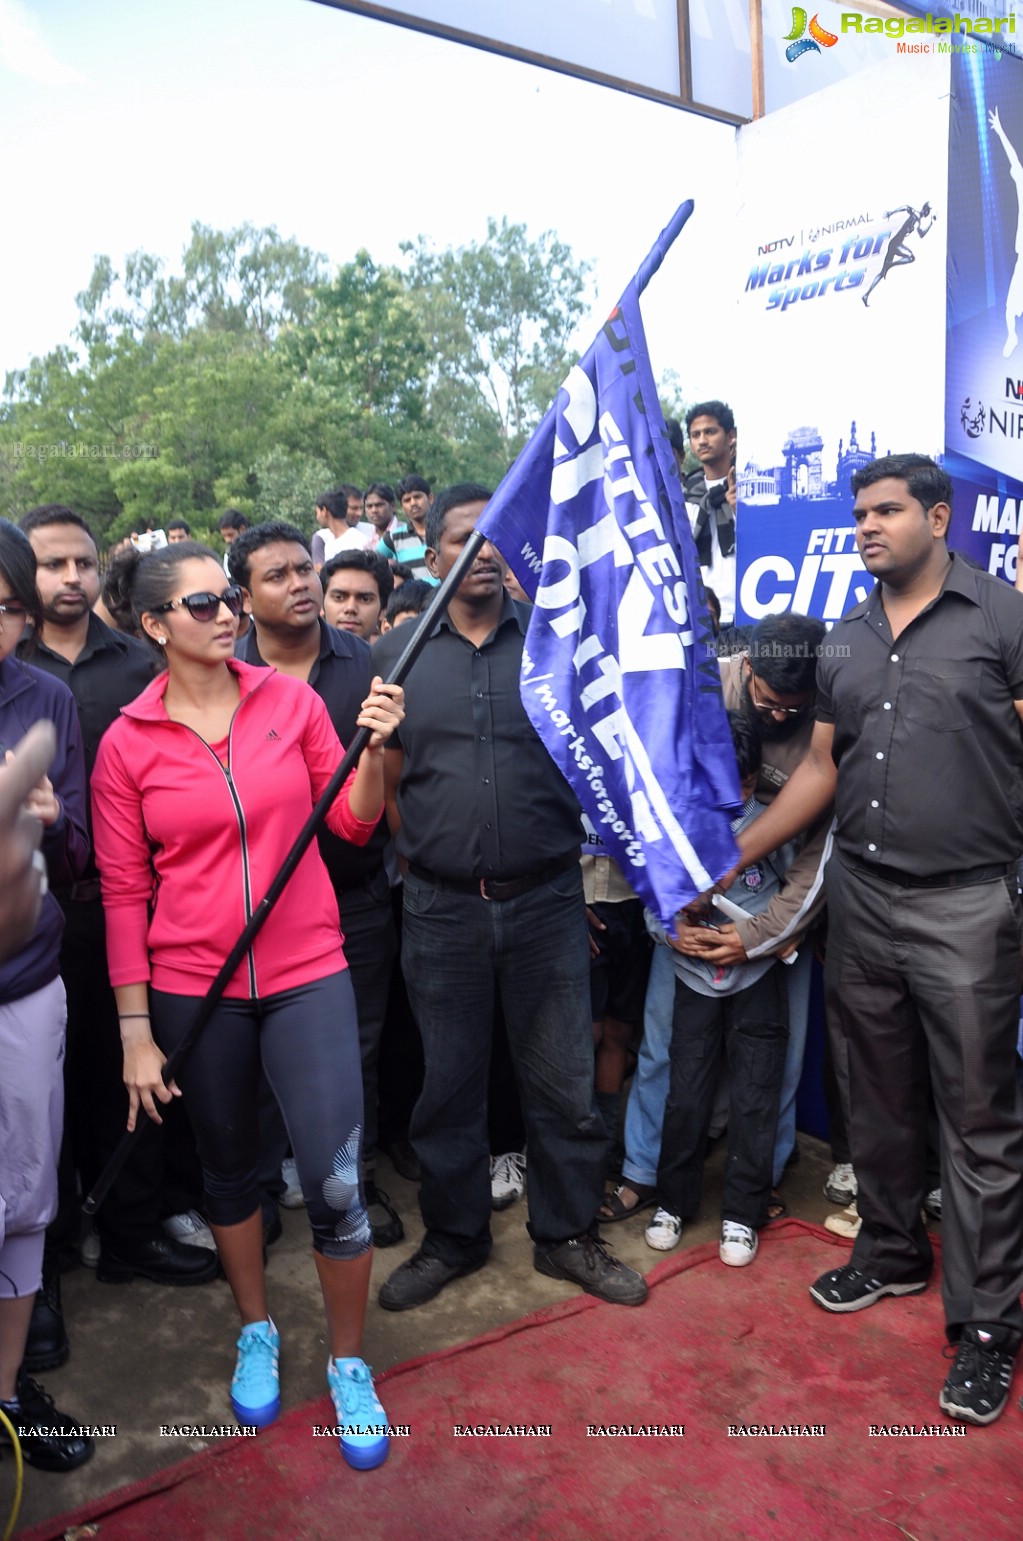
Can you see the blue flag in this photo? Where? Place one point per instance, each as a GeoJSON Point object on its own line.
{"type": "Point", "coordinates": [619, 671]}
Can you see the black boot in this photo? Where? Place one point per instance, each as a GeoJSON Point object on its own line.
{"type": "Point", "coordinates": [49, 1439]}
{"type": "Point", "coordinates": [48, 1344]}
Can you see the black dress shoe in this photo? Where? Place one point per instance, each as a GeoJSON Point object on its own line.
{"type": "Point", "coordinates": [384, 1219]}
{"type": "Point", "coordinates": [49, 1439]}
{"type": "Point", "coordinates": [419, 1280]}
{"type": "Point", "coordinates": [47, 1345]}
{"type": "Point", "coordinates": [404, 1160]}
{"type": "Point", "coordinates": [160, 1259]}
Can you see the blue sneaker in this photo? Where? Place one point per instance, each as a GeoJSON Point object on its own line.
{"type": "Point", "coordinates": [360, 1417]}
{"type": "Point", "coordinates": [256, 1388]}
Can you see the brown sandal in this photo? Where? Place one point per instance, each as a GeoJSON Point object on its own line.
{"type": "Point", "coordinates": [777, 1208]}
{"type": "Point", "coordinates": [615, 1208]}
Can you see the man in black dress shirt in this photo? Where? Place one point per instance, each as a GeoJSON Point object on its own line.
{"type": "Point", "coordinates": [490, 834]}
{"type": "Point", "coordinates": [919, 703]}
{"type": "Point", "coordinates": [104, 670]}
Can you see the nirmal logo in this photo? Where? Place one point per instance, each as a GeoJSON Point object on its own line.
{"type": "Point", "coordinates": [1006, 420]}
{"type": "Point", "coordinates": [798, 41]}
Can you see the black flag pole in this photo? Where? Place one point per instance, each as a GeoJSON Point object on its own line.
{"type": "Point", "coordinates": [304, 839]}
{"type": "Point", "coordinates": [468, 555]}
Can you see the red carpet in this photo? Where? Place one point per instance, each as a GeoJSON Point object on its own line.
{"type": "Point", "coordinates": [712, 1347]}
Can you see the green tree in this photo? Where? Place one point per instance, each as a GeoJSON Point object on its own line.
{"type": "Point", "coordinates": [287, 486]}
{"type": "Point", "coordinates": [499, 318]}
{"type": "Point", "coordinates": [247, 378]}
{"type": "Point", "coordinates": [244, 280]}
{"type": "Point", "coordinates": [359, 371]}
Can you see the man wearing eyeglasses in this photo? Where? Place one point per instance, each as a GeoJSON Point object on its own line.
{"type": "Point", "coordinates": [917, 738]}
{"type": "Point", "coordinates": [773, 682]}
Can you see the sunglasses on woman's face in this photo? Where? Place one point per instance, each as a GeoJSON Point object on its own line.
{"type": "Point", "coordinates": [205, 607]}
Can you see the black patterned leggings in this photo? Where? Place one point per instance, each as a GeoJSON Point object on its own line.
{"type": "Point", "coordinates": [307, 1042]}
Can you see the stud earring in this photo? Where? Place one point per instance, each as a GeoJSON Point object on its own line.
{"type": "Point", "coordinates": [162, 641]}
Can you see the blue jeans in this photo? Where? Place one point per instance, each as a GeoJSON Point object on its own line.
{"type": "Point", "coordinates": [644, 1112]}
{"type": "Point", "coordinates": [460, 951]}
{"type": "Point", "coordinates": [797, 979]}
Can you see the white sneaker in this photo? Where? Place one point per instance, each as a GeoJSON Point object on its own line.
{"type": "Point", "coordinates": [841, 1186]}
{"type": "Point", "coordinates": [846, 1223]}
{"type": "Point", "coordinates": [190, 1228]}
{"type": "Point", "coordinates": [507, 1178]}
{"type": "Point", "coordinates": [738, 1244]}
{"type": "Point", "coordinates": [932, 1204]}
{"type": "Point", "coordinates": [292, 1197]}
{"type": "Point", "coordinates": [664, 1231]}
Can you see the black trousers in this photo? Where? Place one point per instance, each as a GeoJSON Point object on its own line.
{"type": "Point", "coordinates": [752, 1027]}
{"type": "Point", "coordinates": [920, 978]}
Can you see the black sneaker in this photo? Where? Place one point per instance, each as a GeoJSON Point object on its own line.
{"type": "Point", "coordinates": [587, 1261]}
{"type": "Point", "coordinates": [384, 1219]}
{"type": "Point", "coordinates": [850, 1289]}
{"type": "Point", "coordinates": [977, 1387]}
{"type": "Point", "coordinates": [49, 1439]}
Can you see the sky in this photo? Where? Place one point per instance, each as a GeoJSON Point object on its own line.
{"type": "Point", "coordinates": [125, 120]}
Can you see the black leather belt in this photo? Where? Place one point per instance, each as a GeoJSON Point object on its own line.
{"type": "Point", "coordinates": [966, 878]}
{"type": "Point", "coordinates": [496, 888]}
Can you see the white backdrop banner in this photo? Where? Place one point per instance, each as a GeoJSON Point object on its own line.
{"type": "Point", "coordinates": [843, 227]}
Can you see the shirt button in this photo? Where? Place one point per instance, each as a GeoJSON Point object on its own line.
{"type": "Point", "coordinates": [479, 695]}
{"type": "Point", "coordinates": [875, 803]}
{"type": "Point", "coordinates": [879, 755]}
{"type": "Point", "coordinates": [895, 658]}
{"type": "Point", "coordinates": [888, 706]}
{"type": "Point", "coordinates": [871, 847]}
{"type": "Point", "coordinates": [486, 781]}
{"type": "Point", "coordinates": [488, 826]}
{"type": "Point", "coordinates": [483, 738]}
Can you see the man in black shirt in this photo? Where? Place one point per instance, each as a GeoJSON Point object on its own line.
{"type": "Point", "coordinates": [274, 565]}
{"type": "Point", "coordinates": [919, 704]}
{"type": "Point", "coordinates": [490, 834]}
{"type": "Point", "coordinates": [104, 670]}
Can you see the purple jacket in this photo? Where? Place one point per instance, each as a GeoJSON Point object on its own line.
{"type": "Point", "coordinates": [26, 696]}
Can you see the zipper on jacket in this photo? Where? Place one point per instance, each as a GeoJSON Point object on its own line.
{"type": "Point", "coordinates": [225, 771]}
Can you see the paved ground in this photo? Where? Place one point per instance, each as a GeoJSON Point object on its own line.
{"type": "Point", "coordinates": [145, 1355]}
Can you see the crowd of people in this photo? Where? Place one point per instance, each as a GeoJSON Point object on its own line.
{"type": "Point", "coordinates": [457, 972]}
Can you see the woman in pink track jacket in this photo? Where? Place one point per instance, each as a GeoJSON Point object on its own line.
{"type": "Point", "coordinates": [199, 791]}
